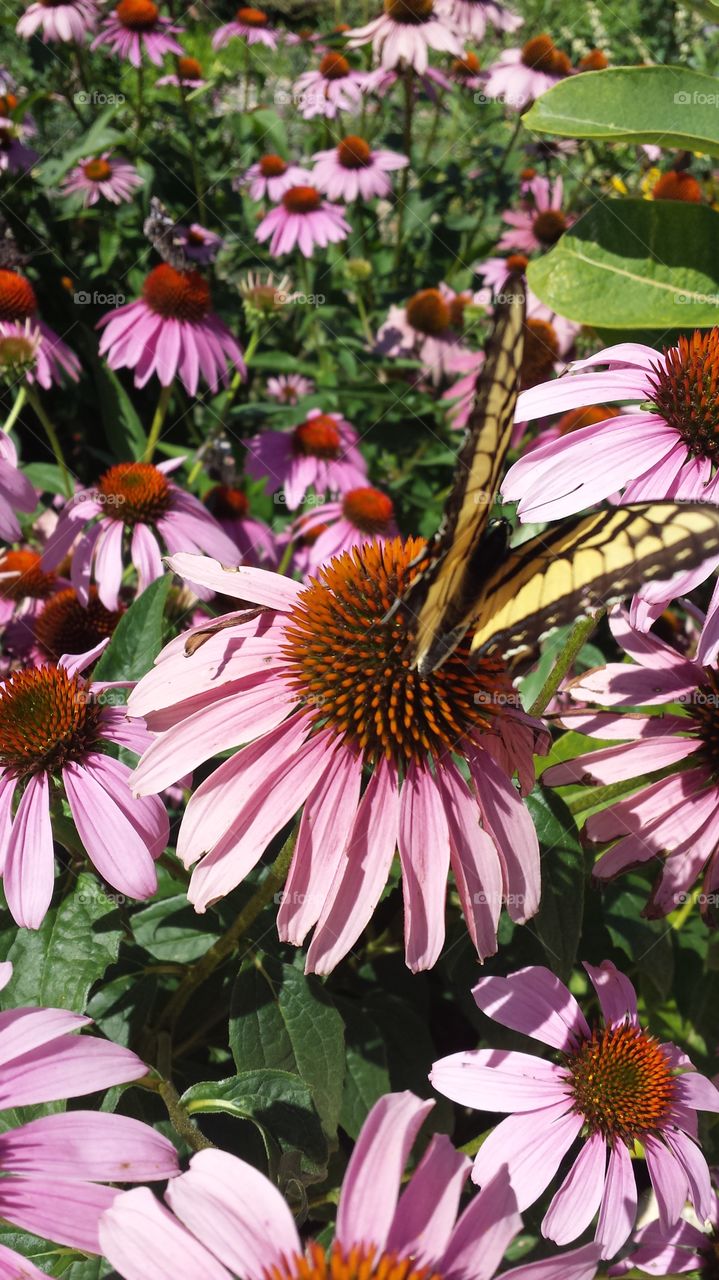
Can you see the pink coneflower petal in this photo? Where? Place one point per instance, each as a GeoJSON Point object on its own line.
{"type": "Point", "coordinates": [112, 842]}
{"type": "Point", "coordinates": [55, 1210]}
{"type": "Point", "coordinates": [427, 1210]}
{"type": "Point", "coordinates": [619, 1206]}
{"type": "Point", "coordinates": [29, 872]}
{"type": "Point", "coordinates": [423, 843]}
{"type": "Point", "coordinates": [580, 1195]}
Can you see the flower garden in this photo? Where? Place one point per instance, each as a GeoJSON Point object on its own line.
{"type": "Point", "coordinates": [327, 953]}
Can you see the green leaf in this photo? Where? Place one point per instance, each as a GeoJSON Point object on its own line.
{"type": "Point", "coordinates": [123, 428]}
{"type": "Point", "coordinates": [635, 264]}
{"type": "Point", "coordinates": [277, 1103]}
{"type": "Point", "coordinates": [138, 636]}
{"type": "Point", "coordinates": [58, 963]}
{"type": "Point", "coordinates": [171, 930]}
{"type": "Point", "coordinates": [46, 476]}
{"type": "Point", "coordinates": [281, 1018]}
{"type": "Point", "coordinates": [367, 1076]}
{"type": "Point", "coordinates": [673, 107]}
{"type": "Point", "coordinates": [558, 923]}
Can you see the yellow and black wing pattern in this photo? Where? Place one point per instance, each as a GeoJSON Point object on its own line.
{"type": "Point", "coordinates": [588, 562]}
{"type": "Point", "coordinates": [444, 594]}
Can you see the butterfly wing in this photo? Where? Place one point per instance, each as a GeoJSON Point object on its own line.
{"type": "Point", "coordinates": [444, 593]}
{"type": "Point", "coordinates": [588, 562]}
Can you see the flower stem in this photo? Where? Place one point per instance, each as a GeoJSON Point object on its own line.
{"type": "Point", "coordinates": [16, 409]}
{"type": "Point", "coordinates": [182, 1123]}
{"type": "Point", "coordinates": [577, 637]}
{"type": "Point", "coordinates": [189, 116]}
{"type": "Point", "coordinates": [157, 423]}
{"type": "Point", "coordinates": [140, 100]}
{"type": "Point", "coordinates": [34, 400]}
{"type": "Point", "coordinates": [404, 175]}
{"type": "Point", "coordinates": [230, 939]}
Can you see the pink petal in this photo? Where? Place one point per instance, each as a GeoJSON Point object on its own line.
{"type": "Point", "coordinates": [63, 1211]}
{"type": "Point", "coordinates": [269, 589]}
{"type": "Point", "coordinates": [514, 833]}
{"type": "Point", "coordinates": [91, 1145]}
{"type": "Point", "coordinates": [113, 843]}
{"type": "Point", "coordinates": [579, 1196]}
{"type": "Point", "coordinates": [424, 854]}
{"type": "Point", "coordinates": [535, 1002]}
{"type": "Point", "coordinates": [29, 874]}
{"type": "Point", "coordinates": [531, 1146]}
{"type": "Point", "coordinates": [67, 1068]}
{"type": "Point", "coordinates": [498, 1080]}
{"type": "Point", "coordinates": [480, 1238]}
{"type": "Point", "coordinates": [140, 1238]}
{"type": "Point", "coordinates": [617, 996]}
{"type": "Point", "coordinates": [427, 1209]}
{"type": "Point", "coordinates": [669, 1179]}
{"type": "Point", "coordinates": [619, 1206]}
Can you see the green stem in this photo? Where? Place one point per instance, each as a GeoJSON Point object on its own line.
{"type": "Point", "coordinates": [364, 318]}
{"type": "Point", "coordinates": [182, 1123]}
{"type": "Point", "coordinates": [435, 126]}
{"type": "Point", "coordinates": [404, 175]}
{"type": "Point", "coordinates": [577, 637]}
{"type": "Point", "coordinates": [16, 409]}
{"type": "Point", "coordinates": [286, 557]}
{"type": "Point", "coordinates": [499, 170]}
{"type": "Point", "coordinates": [50, 432]}
{"type": "Point", "coordinates": [189, 116]}
{"type": "Point", "coordinates": [231, 938]}
{"type": "Point", "coordinates": [157, 423]}
{"type": "Point", "coordinates": [140, 101]}
{"type": "Point", "coordinates": [232, 390]}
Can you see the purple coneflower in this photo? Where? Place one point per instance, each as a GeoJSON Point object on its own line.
{"type": "Point", "coordinates": [305, 220]}
{"type": "Point", "coordinates": [540, 223]}
{"type": "Point", "coordinates": [353, 170]}
{"type": "Point", "coordinates": [335, 86]}
{"type": "Point", "coordinates": [270, 177]}
{"type": "Point", "coordinates": [254, 540]}
{"type": "Point", "coordinates": [251, 25]}
{"type": "Point", "coordinates": [520, 75]}
{"type": "Point", "coordinates": [405, 33]}
{"type": "Point", "coordinates": [362, 515]}
{"type": "Point", "coordinates": [171, 330]}
{"type": "Point", "coordinates": [470, 17]}
{"type": "Point", "coordinates": [47, 360]}
{"type": "Point", "coordinates": [289, 388]}
{"type": "Point", "coordinates": [136, 27]}
{"type": "Point", "coordinates": [103, 177]}
{"type": "Point", "coordinates": [68, 22]}
{"type": "Point", "coordinates": [321, 453]}
{"type": "Point", "coordinates": [189, 75]}
{"type": "Point", "coordinates": [430, 328]}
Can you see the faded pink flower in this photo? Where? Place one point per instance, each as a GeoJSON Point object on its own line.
{"type": "Point", "coordinates": [288, 388]}
{"type": "Point", "coordinates": [47, 360]}
{"type": "Point", "coordinates": [135, 502]}
{"type": "Point", "coordinates": [228, 1220]}
{"type": "Point", "coordinates": [103, 177]}
{"type": "Point", "coordinates": [540, 222]}
{"type": "Point", "coordinates": [136, 28]}
{"type": "Point", "coordinates": [520, 75]}
{"type": "Point", "coordinates": [69, 22]}
{"type": "Point", "coordinates": [430, 327]}
{"type": "Point", "coordinates": [673, 821]}
{"type": "Point", "coordinates": [335, 86]}
{"type": "Point", "coordinates": [315, 681]}
{"type": "Point", "coordinates": [471, 17]}
{"type": "Point", "coordinates": [613, 1085]}
{"type": "Point", "coordinates": [353, 170]}
{"type": "Point", "coordinates": [669, 1251]}
{"type": "Point", "coordinates": [54, 727]}
{"type": "Point", "coordinates": [254, 539]}
{"type": "Point", "coordinates": [405, 33]}
{"type": "Point", "coordinates": [271, 177]}
{"type": "Point", "coordinates": [54, 1167]}
{"type": "Point", "coordinates": [303, 220]}
{"type": "Point", "coordinates": [321, 453]}
{"type": "Point", "coordinates": [363, 515]}
{"type": "Point", "coordinates": [248, 24]}
{"type": "Point", "coordinates": [171, 331]}
{"type": "Point", "coordinates": [16, 492]}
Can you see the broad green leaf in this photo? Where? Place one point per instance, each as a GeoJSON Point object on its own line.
{"type": "Point", "coordinates": [635, 264]}
{"type": "Point", "coordinates": [123, 428]}
{"type": "Point", "coordinates": [171, 930]}
{"type": "Point", "coordinates": [137, 638]}
{"type": "Point", "coordinates": [669, 106]}
{"type": "Point", "coordinates": [367, 1075]}
{"type": "Point", "coordinates": [558, 923]}
{"type": "Point", "coordinates": [281, 1018]}
{"type": "Point", "coordinates": [45, 476]}
{"type": "Point", "coordinates": [58, 963]}
{"type": "Point", "coordinates": [278, 1103]}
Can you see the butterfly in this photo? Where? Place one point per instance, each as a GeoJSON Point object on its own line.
{"type": "Point", "coordinates": [165, 235]}
{"type": "Point", "coordinates": [470, 578]}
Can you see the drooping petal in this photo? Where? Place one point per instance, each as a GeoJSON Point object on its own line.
{"type": "Point", "coordinates": [140, 1238]}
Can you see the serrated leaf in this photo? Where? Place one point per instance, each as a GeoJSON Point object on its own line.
{"type": "Point", "coordinates": [278, 1103]}
{"type": "Point", "coordinates": [171, 930]}
{"type": "Point", "coordinates": [138, 636]}
{"type": "Point", "coordinates": [58, 963]}
{"type": "Point", "coordinates": [281, 1018]}
{"type": "Point", "coordinates": [558, 923]}
{"type": "Point", "coordinates": [367, 1076]}
{"type": "Point", "coordinates": [673, 107]}
{"type": "Point", "coordinates": [635, 264]}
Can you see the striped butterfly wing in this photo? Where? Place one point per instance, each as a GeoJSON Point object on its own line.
{"type": "Point", "coordinates": [586, 563]}
{"type": "Point", "coordinates": [444, 594]}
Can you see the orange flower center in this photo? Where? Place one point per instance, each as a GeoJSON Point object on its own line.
{"type": "Point", "coordinates": [410, 12]}
{"type": "Point", "coordinates": [517, 262]}
{"type": "Point", "coordinates": [622, 1083]}
{"type": "Point", "coordinates": [541, 54]}
{"type": "Point", "coordinates": [251, 17]}
{"type": "Point", "coordinates": [27, 579]}
{"type": "Point", "coordinates": [549, 225]}
{"type": "Point", "coordinates": [97, 170]}
{"type": "Point", "coordinates": [428, 312]}
{"type": "Point", "coordinates": [226, 503]}
{"type": "Point", "coordinates": [334, 67]}
{"type": "Point", "coordinates": [595, 60]}
{"type": "Point", "coordinates": [302, 200]}
{"type": "Point", "coordinates": [457, 308]}
{"type": "Point", "coordinates": [541, 349]}
{"type": "Point", "coordinates": [318, 437]}
{"type": "Point", "coordinates": [368, 510]}
{"type": "Point", "coordinates": [361, 1263]}
{"type": "Point", "coordinates": [189, 69]}
{"type": "Point", "coordinates": [704, 709]}
{"type": "Point", "coordinates": [134, 492]}
{"type": "Point", "coordinates": [137, 15]}
{"type": "Point", "coordinates": [17, 296]}
{"type": "Point", "coordinates": [354, 152]}
{"type": "Point", "coordinates": [66, 626]}
{"type": "Point", "coordinates": [177, 295]}
{"type": "Point", "coordinates": [8, 103]}
{"type": "Point", "coordinates": [353, 667]}
{"type": "Point", "coordinates": [675, 185]}
{"type": "Point", "coordinates": [272, 166]}
{"type": "Point", "coordinates": [686, 392]}
{"type": "Point", "coordinates": [47, 718]}
{"type": "Point", "coordinates": [586, 417]}
{"type": "Point", "coordinates": [469, 65]}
